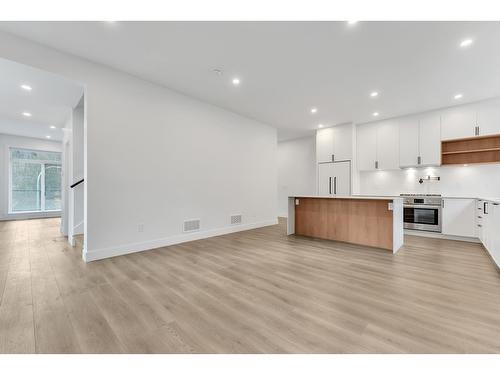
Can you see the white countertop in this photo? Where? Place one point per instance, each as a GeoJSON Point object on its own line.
{"type": "Point", "coordinates": [391, 197]}
{"type": "Point", "coordinates": [489, 199]}
{"type": "Point", "coordinates": [369, 197]}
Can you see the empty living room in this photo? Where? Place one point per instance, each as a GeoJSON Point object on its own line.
{"type": "Point", "coordinates": [245, 187]}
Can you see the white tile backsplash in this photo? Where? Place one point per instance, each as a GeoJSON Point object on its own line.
{"type": "Point", "coordinates": [471, 180]}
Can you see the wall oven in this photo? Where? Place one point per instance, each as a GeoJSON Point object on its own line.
{"type": "Point", "coordinates": [422, 212]}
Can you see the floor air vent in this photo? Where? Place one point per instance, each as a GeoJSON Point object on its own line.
{"type": "Point", "coordinates": [235, 219]}
{"type": "Point", "coordinates": [192, 225]}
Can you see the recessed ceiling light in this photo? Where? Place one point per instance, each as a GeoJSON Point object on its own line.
{"type": "Point", "coordinates": [52, 127]}
{"type": "Point", "coordinates": [375, 114]}
{"type": "Point", "coordinates": [352, 22]}
{"type": "Point", "coordinates": [320, 126]}
{"type": "Point", "coordinates": [236, 81]}
{"type": "Point", "coordinates": [26, 114]}
{"type": "Point", "coordinates": [466, 43]}
{"type": "Point", "coordinates": [465, 165]}
{"type": "Point", "coordinates": [314, 110]}
{"type": "Point", "coordinates": [374, 94]}
{"type": "Point", "coordinates": [458, 96]}
{"type": "Point", "coordinates": [47, 136]}
{"type": "Point", "coordinates": [26, 87]}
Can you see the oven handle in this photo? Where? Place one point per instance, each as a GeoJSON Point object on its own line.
{"type": "Point", "coordinates": [422, 206]}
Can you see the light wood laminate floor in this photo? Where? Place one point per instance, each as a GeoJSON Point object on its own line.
{"type": "Point", "coordinates": [257, 291]}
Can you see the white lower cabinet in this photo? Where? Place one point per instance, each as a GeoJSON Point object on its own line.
{"type": "Point", "coordinates": [458, 217]}
{"type": "Point", "coordinates": [494, 228]}
{"type": "Point", "coordinates": [488, 227]}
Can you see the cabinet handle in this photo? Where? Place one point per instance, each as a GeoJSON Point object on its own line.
{"type": "Point", "coordinates": [333, 157]}
{"type": "Point", "coordinates": [442, 203]}
{"type": "Point", "coordinates": [335, 185]}
{"type": "Point", "coordinates": [479, 217]}
{"type": "Point", "coordinates": [376, 164]}
{"type": "Point", "coordinates": [479, 225]}
{"type": "Point", "coordinates": [495, 204]}
{"type": "Point", "coordinates": [330, 185]}
{"type": "Point", "coordinates": [419, 160]}
{"type": "Point", "coordinates": [485, 206]}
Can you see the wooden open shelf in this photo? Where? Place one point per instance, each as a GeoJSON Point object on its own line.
{"type": "Point", "coordinates": [484, 149]}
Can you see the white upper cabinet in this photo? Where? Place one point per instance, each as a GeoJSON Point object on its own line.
{"type": "Point", "coordinates": [409, 142]}
{"type": "Point", "coordinates": [378, 146]}
{"type": "Point", "coordinates": [367, 147]}
{"type": "Point", "coordinates": [334, 144]}
{"type": "Point", "coordinates": [488, 117]}
{"type": "Point", "coordinates": [387, 145]}
{"type": "Point", "coordinates": [342, 142]}
{"type": "Point", "coordinates": [458, 122]}
{"type": "Point", "coordinates": [324, 145]}
{"type": "Point", "coordinates": [430, 139]}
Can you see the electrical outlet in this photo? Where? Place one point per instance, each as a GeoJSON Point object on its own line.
{"type": "Point", "coordinates": [140, 228]}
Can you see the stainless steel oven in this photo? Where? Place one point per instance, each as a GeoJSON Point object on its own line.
{"type": "Point", "coordinates": [422, 212]}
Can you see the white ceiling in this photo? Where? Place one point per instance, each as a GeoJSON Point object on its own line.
{"type": "Point", "coordinates": [288, 67]}
{"type": "Point", "coordinates": [49, 101]}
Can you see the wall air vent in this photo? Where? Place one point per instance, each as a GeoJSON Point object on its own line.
{"type": "Point", "coordinates": [235, 219]}
{"type": "Point", "coordinates": [191, 225]}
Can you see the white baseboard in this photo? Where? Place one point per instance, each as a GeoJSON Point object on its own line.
{"type": "Point", "coordinates": [440, 235]}
{"type": "Point", "coordinates": [89, 256]}
{"type": "Point", "coordinates": [30, 215]}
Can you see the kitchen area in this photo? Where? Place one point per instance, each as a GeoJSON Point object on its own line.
{"type": "Point", "coordinates": [442, 166]}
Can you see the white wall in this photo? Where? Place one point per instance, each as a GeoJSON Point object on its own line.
{"type": "Point", "coordinates": [473, 180]}
{"type": "Point", "coordinates": [296, 170]}
{"type": "Point", "coordinates": [7, 141]}
{"type": "Point", "coordinates": [155, 157]}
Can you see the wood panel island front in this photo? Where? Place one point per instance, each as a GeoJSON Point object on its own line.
{"type": "Point", "coordinates": [369, 221]}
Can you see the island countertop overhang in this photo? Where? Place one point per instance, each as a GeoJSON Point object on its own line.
{"type": "Point", "coordinates": [360, 197]}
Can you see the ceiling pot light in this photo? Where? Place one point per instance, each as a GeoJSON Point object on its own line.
{"type": "Point", "coordinates": [52, 127]}
{"type": "Point", "coordinates": [26, 87]}
{"type": "Point", "coordinates": [320, 126]}
{"type": "Point", "coordinates": [314, 110]}
{"type": "Point", "coordinates": [26, 114]}
{"type": "Point", "coordinates": [458, 96]}
{"type": "Point", "coordinates": [236, 81]}
{"type": "Point", "coordinates": [466, 43]}
{"type": "Point", "coordinates": [47, 136]}
{"type": "Point", "coordinates": [374, 94]}
{"type": "Point", "coordinates": [375, 114]}
{"type": "Point", "coordinates": [352, 23]}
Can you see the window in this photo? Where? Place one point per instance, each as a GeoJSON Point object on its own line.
{"type": "Point", "coordinates": [35, 181]}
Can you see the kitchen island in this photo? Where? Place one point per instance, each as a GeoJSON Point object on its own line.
{"type": "Point", "coordinates": [363, 220]}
